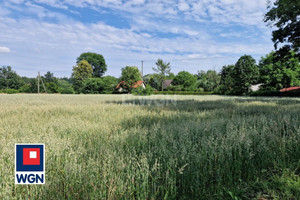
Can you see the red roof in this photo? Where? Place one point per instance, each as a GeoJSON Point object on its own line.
{"type": "Point", "coordinates": [290, 89]}
{"type": "Point", "coordinates": [137, 84]}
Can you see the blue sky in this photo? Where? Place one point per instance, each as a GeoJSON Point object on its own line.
{"type": "Point", "coordinates": [193, 35]}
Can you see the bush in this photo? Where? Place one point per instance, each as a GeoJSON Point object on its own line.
{"type": "Point", "coordinates": [143, 91]}
{"type": "Point", "coordinates": [200, 89]}
{"type": "Point", "coordinates": [93, 86]}
{"type": "Point", "coordinates": [68, 90]}
{"type": "Point", "coordinates": [52, 87]}
{"type": "Point", "coordinates": [182, 92]}
{"type": "Point", "coordinates": [10, 91]}
{"type": "Point", "coordinates": [104, 85]}
{"type": "Point", "coordinates": [294, 93]}
{"type": "Point", "coordinates": [174, 88]}
{"type": "Point", "coordinates": [26, 88]}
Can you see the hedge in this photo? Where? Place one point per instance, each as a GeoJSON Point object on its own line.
{"type": "Point", "coordinates": [294, 93]}
{"type": "Point", "coordinates": [183, 92]}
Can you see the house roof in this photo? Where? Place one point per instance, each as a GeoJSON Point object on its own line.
{"type": "Point", "coordinates": [290, 89]}
{"type": "Point", "coordinates": [167, 83]}
{"type": "Point", "coordinates": [136, 84]}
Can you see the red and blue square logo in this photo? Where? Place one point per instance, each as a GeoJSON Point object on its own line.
{"type": "Point", "coordinates": [30, 157]}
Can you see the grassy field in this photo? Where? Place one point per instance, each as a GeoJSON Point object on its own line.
{"type": "Point", "coordinates": [157, 147]}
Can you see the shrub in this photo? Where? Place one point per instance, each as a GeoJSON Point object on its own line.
{"type": "Point", "coordinates": [174, 88]}
{"type": "Point", "coordinates": [10, 91]}
{"type": "Point", "coordinates": [93, 86]}
{"type": "Point", "coordinates": [294, 93]}
{"type": "Point", "coordinates": [143, 91]}
{"type": "Point", "coordinates": [52, 87]}
{"type": "Point", "coordinates": [26, 88]}
{"type": "Point", "coordinates": [182, 92]}
{"type": "Point", "coordinates": [68, 90]}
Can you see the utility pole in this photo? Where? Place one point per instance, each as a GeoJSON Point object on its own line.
{"type": "Point", "coordinates": [38, 82]}
{"type": "Point", "coordinates": [142, 69]}
{"type": "Point", "coordinates": [39, 77]}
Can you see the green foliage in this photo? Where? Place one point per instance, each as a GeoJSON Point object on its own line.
{"type": "Point", "coordinates": [51, 82]}
{"type": "Point", "coordinates": [237, 79]}
{"type": "Point", "coordinates": [140, 91]}
{"type": "Point", "coordinates": [81, 72]}
{"type": "Point", "coordinates": [183, 92]}
{"type": "Point", "coordinates": [284, 15]}
{"type": "Point", "coordinates": [269, 92]}
{"type": "Point", "coordinates": [26, 88]}
{"type": "Point", "coordinates": [32, 87]}
{"type": "Point", "coordinates": [96, 61]}
{"type": "Point", "coordinates": [51, 87]}
{"type": "Point", "coordinates": [186, 80]}
{"type": "Point", "coordinates": [154, 80]}
{"type": "Point", "coordinates": [50, 78]}
{"type": "Point", "coordinates": [65, 87]}
{"type": "Point", "coordinates": [163, 69]}
{"type": "Point", "coordinates": [68, 90]}
{"type": "Point", "coordinates": [277, 74]}
{"type": "Point", "coordinates": [103, 85]}
{"type": "Point", "coordinates": [10, 91]}
{"type": "Point", "coordinates": [170, 76]}
{"type": "Point", "coordinates": [175, 88]}
{"type": "Point", "coordinates": [227, 80]}
{"type": "Point", "coordinates": [110, 84]}
{"type": "Point", "coordinates": [130, 75]}
{"type": "Point", "coordinates": [9, 79]}
{"type": "Point", "coordinates": [209, 80]}
{"type": "Point", "coordinates": [246, 73]}
{"type": "Point", "coordinates": [93, 86]}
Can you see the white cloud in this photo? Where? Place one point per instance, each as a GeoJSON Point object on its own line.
{"type": "Point", "coordinates": [182, 6]}
{"type": "Point", "coordinates": [4, 50]}
{"type": "Point", "coordinates": [54, 46]}
{"type": "Point", "coordinates": [226, 11]}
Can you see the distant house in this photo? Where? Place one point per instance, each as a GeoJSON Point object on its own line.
{"type": "Point", "coordinates": [167, 83]}
{"type": "Point", "coordinates": [290, 89]}
{"type": "Point", "coordinates": [122, 85]}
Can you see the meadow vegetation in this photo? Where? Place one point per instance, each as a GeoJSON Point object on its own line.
{"type": "Point", "coordinates": [154, 147]}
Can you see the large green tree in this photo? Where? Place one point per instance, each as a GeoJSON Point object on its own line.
{"type": "Point", "coordinates": [285, 16]}
{"type": "Point", "coordinates": [209, 80]}
{"type": "Point", "coordinates": [9, 79]}
{"type": "Point", "coordinates": [82, 71]}
{"type": "Point", "coordinates": [103, 85]}
{"type": "Point", "coordinates": [130, 75]}
{"type": "Point", "coordinates": [96, 61]}
{"type": "Point", "coordinates": [186, 80]}
{"type": "Point", "coordinates": [163, 69]}
{"type": "Point", "coordinates": [51, 82]}
{"type": "Point", "coordinates": [227, 80]}
{"type": "Point", "coordinates": [154, 80]}
{"type": "Point", "coordinates": [277, 74]}
{"type": "Point", "coordinates": [246, 73]}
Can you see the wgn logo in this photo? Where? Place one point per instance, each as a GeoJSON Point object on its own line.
{"type": "Point", "coordinates": [30, 164]}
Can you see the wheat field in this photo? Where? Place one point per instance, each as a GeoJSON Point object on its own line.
{"type": "Point", "coordinates": [154, 147]}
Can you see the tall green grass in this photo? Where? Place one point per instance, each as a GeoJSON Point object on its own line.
{"type": "Point", "coordinates": [157, 147]}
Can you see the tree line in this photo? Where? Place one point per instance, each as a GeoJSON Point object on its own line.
{"type": "Point", "coordinates": [271, 73]}
{"type": "Point", "coordinates": [278, 69]}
